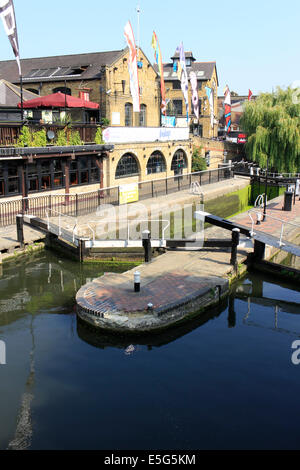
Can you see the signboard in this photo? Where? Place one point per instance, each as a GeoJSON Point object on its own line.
{"type": "Point", "coordinates": [128, 193]}
{"type": "Point", "coordinates": [144, 134]}
{"type": "Point", "coordinates": [115, 119]}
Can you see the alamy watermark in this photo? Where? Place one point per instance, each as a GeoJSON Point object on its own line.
{"type": "Point", "coordinates": [296, 354]}
{"type": "Point", "coordinates": [296, 91]}
{"type": "Point", "coordinates": [2, 353]}
{"type": "Point", "coordinates": [128, 222]}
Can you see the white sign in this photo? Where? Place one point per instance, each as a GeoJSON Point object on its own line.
{"type": "Point", "coordinates": [115, 119]}
{"type": "Point", "coordinates": [144, 134]}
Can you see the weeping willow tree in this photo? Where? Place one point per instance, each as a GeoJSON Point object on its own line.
{"type": "Point", "coordinates": [272, 123]}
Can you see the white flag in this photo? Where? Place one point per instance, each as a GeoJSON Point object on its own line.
{"type": "Point", "coordinates": [132, 67]}
{"type": "Point", "coordinates": [7, 13]}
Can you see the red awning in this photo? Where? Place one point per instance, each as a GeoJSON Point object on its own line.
{"type": "Point", "coordinates": [58, 100]}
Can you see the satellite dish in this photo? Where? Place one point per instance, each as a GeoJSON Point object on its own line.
{"type": "Point", "coordinates": [50, 135]}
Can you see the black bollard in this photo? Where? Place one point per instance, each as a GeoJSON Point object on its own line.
{"type": "Point", "coordinates": [259, 250]}
{"type": "Point", "coordinates": [20, 229]}
{"type": "Point", "coordinates": [235, 241]}
{"type": "Point", "coordinates": [137, 281]}
{"type": "Point", "coordinates": [146, 236]}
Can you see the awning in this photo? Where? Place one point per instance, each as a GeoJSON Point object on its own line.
{"type": "Point", "coordinates": [58, 100]}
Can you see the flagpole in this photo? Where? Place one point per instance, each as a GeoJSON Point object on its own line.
{"type": "Point", "coordinates": [138, 44]}
{"type": "Point", "coordinates": [21, 90]}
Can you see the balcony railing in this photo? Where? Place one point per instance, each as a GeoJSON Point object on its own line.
{"type": "Point", "coordinates": [9, 132]}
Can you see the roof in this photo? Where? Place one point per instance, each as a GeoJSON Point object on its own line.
{"type": "Point", "coordinates": [203, 70]}
{"type": "Point", "coordinates": [187, 54]}
{"type": "Point", "coordinates": [10, 94]}
{"type": "Point", "coordinates": [60, 67]}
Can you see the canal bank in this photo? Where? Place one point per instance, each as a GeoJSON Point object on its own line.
{"type": "Point", "coordinates": [10, 247]}
{"type": "Point", "coordinates": [176, 285]}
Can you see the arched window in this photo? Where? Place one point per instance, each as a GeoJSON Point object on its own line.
{"type": "Point", "coordinates": [156, 163]}
{"type": "Point", "coordinates": [179, 162]}
{"type": "Point", "coordinates": [127, 166]}
{"type": "Point", "coordinates": [33, 90]}
{"type": "Point", "coordinates": [128, 114]}
{"type": "Point", "coordinates": [143, 115]}
{"type": "Point", "coordinates": [62, 89]}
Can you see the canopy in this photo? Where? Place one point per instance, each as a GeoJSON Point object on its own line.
{"type": "Point", "coordinates": [58, 100]}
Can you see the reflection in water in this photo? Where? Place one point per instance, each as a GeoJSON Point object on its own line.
{"type": "Point", "coordinates": [103, 339]}
{"type": "Point", "coordinates": [253, 293]}
{"type": "Point", "coordinates": [23, 433]}
{"type": "Point", "coordinates": [231, 313]}
{"type": "Point", "coordinates": [164, 378]}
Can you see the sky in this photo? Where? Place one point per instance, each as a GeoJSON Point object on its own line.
{"type": "Point", "coordinates": [255, 44]}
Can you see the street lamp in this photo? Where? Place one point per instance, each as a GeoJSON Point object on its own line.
{"type": "Point", "coordinates": [266, 188]}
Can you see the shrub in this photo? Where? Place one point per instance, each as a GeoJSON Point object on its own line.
{"type": "Point", "coordinates": [99, 137]}
{"type": "Point", "coordinates": [198, 162]}
{"type": "Point", "coordinates": [74, 138]}
{"type": "Point", "coordinates": [39, 138]}
{"type": "Point", "coordinates": [61, 139]}
{"type": "Point", "coordinates": [25, 138]}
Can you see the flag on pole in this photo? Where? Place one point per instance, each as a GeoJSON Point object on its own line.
{"type": "Point", "coordinates": [182, 76]}
{"type": "Point", "coordinates": [210, 96]}
{"type": "Point", "coordinates": [250, 95]}
{"type": "Point", "coordinates": [7, 13]}
{"type": "Point", "coordinates": [158, 60]}
{"type": "Point", "coordinates": [195, 97]}
{"type": "Point", "coordinates": [227, 103]}
{"type": "Point", "coordinates": [132, 67]}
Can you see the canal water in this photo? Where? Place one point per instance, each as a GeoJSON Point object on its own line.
{"type": "Point", "coordinates": [225, 380]}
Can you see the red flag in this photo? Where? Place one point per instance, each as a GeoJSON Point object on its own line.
{"type": "Point", "coordinates": [250, 95]}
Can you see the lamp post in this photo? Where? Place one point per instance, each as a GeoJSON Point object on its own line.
{"type": "Point", "coordinates": [266, 188]}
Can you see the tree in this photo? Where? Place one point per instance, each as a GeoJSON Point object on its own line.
{"type": "Point", "coordinates": [272, 124]}
{"type": "Point", "coordinates": [198, 162]}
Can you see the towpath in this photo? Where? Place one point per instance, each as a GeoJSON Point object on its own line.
{"type": "Point", "coordinates": [8, 235]}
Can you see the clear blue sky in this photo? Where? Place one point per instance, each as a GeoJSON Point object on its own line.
{"type": "Point", "coordinates": [255, 44]}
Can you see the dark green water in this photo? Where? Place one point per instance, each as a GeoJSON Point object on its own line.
{"type": "Point", "coordinates": [222, 381]}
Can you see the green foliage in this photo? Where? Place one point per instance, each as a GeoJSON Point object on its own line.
{"type": "Point", "coordinates": [99, 137]}
{"type": "Point", "coordinates": [105, 122]}
{"type": "Point", "coordinates": [198, 162]}
{"type": "Point", "coordinates": [61, 139]}
{"type": "Point", "coordinates": [75, 138]}
{"type": "Point", "coordinates": [25, 138]}
{"type": "Point", "coordinates": [39, 138]}
{"type": "Point", "coordinates": [272, 123]}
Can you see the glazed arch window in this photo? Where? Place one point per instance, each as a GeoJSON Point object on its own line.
{"type": "Point", "coordinates": [62, 89]}
{"type": "Point", "coordinates": [156, 163]}
{"type": "Point", "coordinates": [179, 161]}
{"type": "Point", "coordinates": [127, 166]}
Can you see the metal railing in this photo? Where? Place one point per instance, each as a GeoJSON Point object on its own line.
{"type": "Point", "coordinates": [259, 201]}
{"type": "Point", "coordinates": [86, 203]}
{"type": "Point", "coordinates": [259, 216]}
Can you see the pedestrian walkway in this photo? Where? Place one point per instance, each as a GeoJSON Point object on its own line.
{"type": "Point", "coordinates": [8, 235]}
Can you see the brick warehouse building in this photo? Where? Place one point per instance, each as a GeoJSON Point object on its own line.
{"type": "Point", "coordinates": [207, 76]}
{"type": "Point", "coordinates": [101, 77]}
